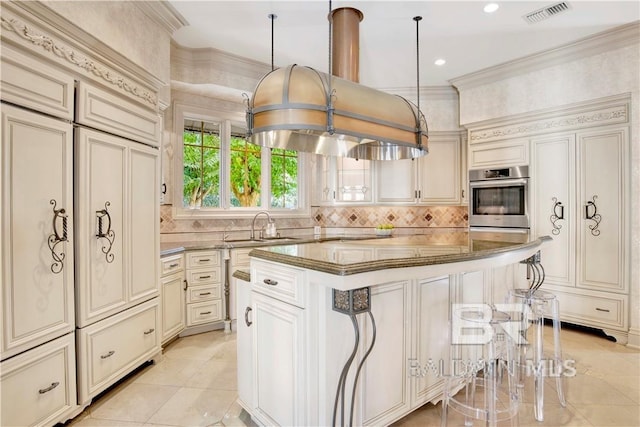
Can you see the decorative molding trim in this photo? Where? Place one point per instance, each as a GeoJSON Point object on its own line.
{"type": "Point", "coordinates": [62, 51]}
{"type": "Point", "coordinates": [634, 338]}
{"type": "Point", "coordinates": [611, 110]}
{"type": "Point", "coordinates": [163, 14]}
{"type": "Point", "coordinates": [605, 41]}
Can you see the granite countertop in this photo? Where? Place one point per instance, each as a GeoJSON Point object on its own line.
{"type": "Point", "coordinates": [170, 248]}
{"type": "Point", "coordinates": [345, 258]}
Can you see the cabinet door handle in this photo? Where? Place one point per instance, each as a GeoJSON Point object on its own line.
{"type": "Point", "coordinates": [556, 215]}
{"type": "Point", "coordinates": [48, 389]}
{"type": "Point", "coordinates": [109, 235]}
{"type": "Point", "coordinates": [109, 354]}
{"type": "Point", "coordinates": [603, 310]}
{"type": "Point", "coordinates": [148, 331]}
{"type": "Point", "coordinates": [206, 312]}
{"type": "Point", "coordinates": [205, 277]}
{"type": "Point", "coordinates": [246, 316]}
{"type": "Point", "coordinates": [204, 293]}
{"type": "Point", "coordinates": [56, 238]}
{"type": "Point", "coordinates": [595, 216]}
{"type": "Point", "coordinates": [270, 282]}
{"type": "Point", "coordinates": [186, 284]}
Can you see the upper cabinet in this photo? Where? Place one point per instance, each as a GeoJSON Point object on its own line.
{"type": "Point", "coordinates": [434, 179]}
{"type": "Point", "coordinates": [343, 180]}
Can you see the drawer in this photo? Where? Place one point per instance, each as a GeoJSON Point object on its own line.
{"type": "Point", "coordinates": [593, 310]}
{"type": "Point", "coordinates": [203, 293]}
{"type": "Point", "coordinates": [171, 264]}
{"type": "Point", "coordinates": [240, 257]}
{"type": "Point", "coordinates": [283, 283]}
{"type": "Point", "coordinates": [203, 277]}
{"type": "Point", "coordinates": [204, 312]}
{"type": "Point", "coordinates": [202, 259]}
{"type": "Point", "coordinates": [109, 349]}
{"type": "Point", "coordinates": [41, 383]}
{"type": "Point", "coordinates": [102, 110]}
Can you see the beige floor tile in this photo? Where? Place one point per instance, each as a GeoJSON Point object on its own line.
{"type": "Point", "coordinates": [97, 422]}
{"type": "Point", "coordinates": [194, 407]}
{"type": "Point", "coordinates": [170, 371]}
{"type": "Point", "coordinates": [216, 374]}
{"type": "Point", "coordinates": [611, 415]}
{"type": "Point", "coordinates": [135, 402]}
{"type": "Point", "coordinates": [554, 415]}
{"type": "Point", "coordinates": [237, 417]}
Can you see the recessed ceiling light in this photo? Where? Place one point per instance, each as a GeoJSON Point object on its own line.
{"type": "Point", "coordinates": [440, 62]}
{"type": "Point", "coordinates": [491, 7]}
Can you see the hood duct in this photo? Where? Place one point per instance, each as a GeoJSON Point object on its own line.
{"type": "Point", "coordinates": [299, 108]}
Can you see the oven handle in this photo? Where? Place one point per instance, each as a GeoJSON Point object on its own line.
{"type": "Point", "coordinates": [499, 183]}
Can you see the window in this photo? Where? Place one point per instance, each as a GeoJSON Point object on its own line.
{"type": "Point", "coordinates": [223, 174]}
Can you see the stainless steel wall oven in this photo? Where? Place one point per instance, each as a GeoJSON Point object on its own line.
{"type": "Point", "coordinates": [499, 197]}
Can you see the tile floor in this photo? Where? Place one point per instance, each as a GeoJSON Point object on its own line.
{"type": "Point", "coordinates": [194, 384]}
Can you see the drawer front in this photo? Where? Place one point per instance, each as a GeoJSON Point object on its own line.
{"type": "Point", "coordinates": [204, 312]}
{"type": "Point", "coordinates": [591, 310]}
{"type": "Point", "coordinates": [204, 277]}
{"type": "Point", "coordinates": [282, 283]}
{"type": "Point", "coordinates": [171, 264]}
{"type": "Point", "coordinates": [101, 110]}
{"type": "Point", "coordinates": [31, 83]}
{"type": "Point", "coordinates": [201, 259]}
{"type": "Point", "coordinates": [111, 348]}
{"type": "Point", "coordinates": [41, 384]}
{"type": "Point", "coordinates": [203, 293]}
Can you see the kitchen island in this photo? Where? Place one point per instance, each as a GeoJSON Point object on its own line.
{"type": "Point", "coordinates": [310, 308]}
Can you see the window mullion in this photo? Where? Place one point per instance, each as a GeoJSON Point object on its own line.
{"type": "Point", "coordinates": [225, 167]}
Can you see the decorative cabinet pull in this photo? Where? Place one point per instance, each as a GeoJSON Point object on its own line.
{"type": "Point", "coordinates": [204, 260]}
{"type": "Point", "coordinates": [173, 265]}
{"type": "Point", "coordinates": [270, 282]}
{"type": "Point", "coordinates": [148, 331]}
{"type": "Point", "coordinates": [109, 234]}
{"type": "Point", "coordinates": [603, 309]}
{"type": "Point", "coordinates": [186, 284]}
{"type": "Point", "coordinates": [205, 277]}
{"type": "Point", "coordinates": [204, 293]}
{"type": "Point", "coordinates": [108, 355]}
{"type": "Point", "coordinates": [56, 238]}
{"type": "Point", "coordinates": [246, 316]}
{"type": "Point", "coordinates": [48, 389]}
{"type": "Point", "coordinates": [206, 312]}
{"type": "Point", "coordinates": [557, 215]}
{"type": "Point", "coordinates": [594, 216]}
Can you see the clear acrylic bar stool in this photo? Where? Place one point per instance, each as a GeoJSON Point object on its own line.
{"type": "Point", "coordinates": [535, 305]}
{"type": "Point", "coordinates": [490, 391]}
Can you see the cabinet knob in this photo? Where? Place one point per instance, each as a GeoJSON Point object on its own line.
{"type": "Point", "coordinates": [270, 282]}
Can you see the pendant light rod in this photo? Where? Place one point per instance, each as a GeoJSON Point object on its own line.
{"type": "Point", "coordinates": [418, 19]}
{"type": "Point", "coordinates": [273, 17]}
{"type": "Point", "coordinates": [330, 127]}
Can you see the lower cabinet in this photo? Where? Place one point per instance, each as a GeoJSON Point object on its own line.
{"type": "Point", "coordinates": [109, 349]}
{"type": "Point", "coordinates": [204, 304]}
{"type": "Point", "coordinates": [173, 287]}
{"type": "Point", "coordinates": [291, 351]}
{"type": "Point", "coordinates": [41, 383]}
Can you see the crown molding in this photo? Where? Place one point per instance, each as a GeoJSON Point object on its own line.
{"type": "Point", "coordinates": [615, 38]}
{"type": "Point", "coordinates": [163, 14]}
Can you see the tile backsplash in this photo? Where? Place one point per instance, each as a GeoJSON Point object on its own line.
{"type": "Point", "coordinates": [329, 217]}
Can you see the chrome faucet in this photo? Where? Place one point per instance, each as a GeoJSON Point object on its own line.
{"type": "Point", "coordinates": [253, 224]}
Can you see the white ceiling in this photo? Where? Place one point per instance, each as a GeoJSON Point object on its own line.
{"type": "Point", "coordinates": [458, 31]}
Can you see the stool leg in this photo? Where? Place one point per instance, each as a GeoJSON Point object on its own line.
{"type": "Point", "coordinates": [557, 351]}
{"type": "Point", "coordinates": [538, 374]}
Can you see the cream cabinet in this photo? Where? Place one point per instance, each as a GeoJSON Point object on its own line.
{"type": "Point", "coordinates": [204, 306]}
{"type": "Point", "coordinates": [39, 386]}
{"type": "Point", "coordinates": [117, 226]}
{"type": "Point", "coordinates": [580, 183]}
{"type": "Point", "coordinates": [343, 180]}
{"type": "Point", "coordinates": [173, 288]}
{"type": "Point", "coordinates": [244, 339]}
{"type": "Point", "coordinates": [434, 179]}
{"type": "Point", "coordinates": [37, 228]}
{"type": "Point", "coordinates": [109, 349]}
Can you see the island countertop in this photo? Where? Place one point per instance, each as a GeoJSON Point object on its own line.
{"type": "Point", "coordinates": [440, 253]}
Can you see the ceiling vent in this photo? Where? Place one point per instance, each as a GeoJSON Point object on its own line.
{"type": "Point", "coordinates": [546, 12]}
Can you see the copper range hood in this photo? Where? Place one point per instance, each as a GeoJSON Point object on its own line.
{"type": "Point", "coordinates": [300, 108]}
